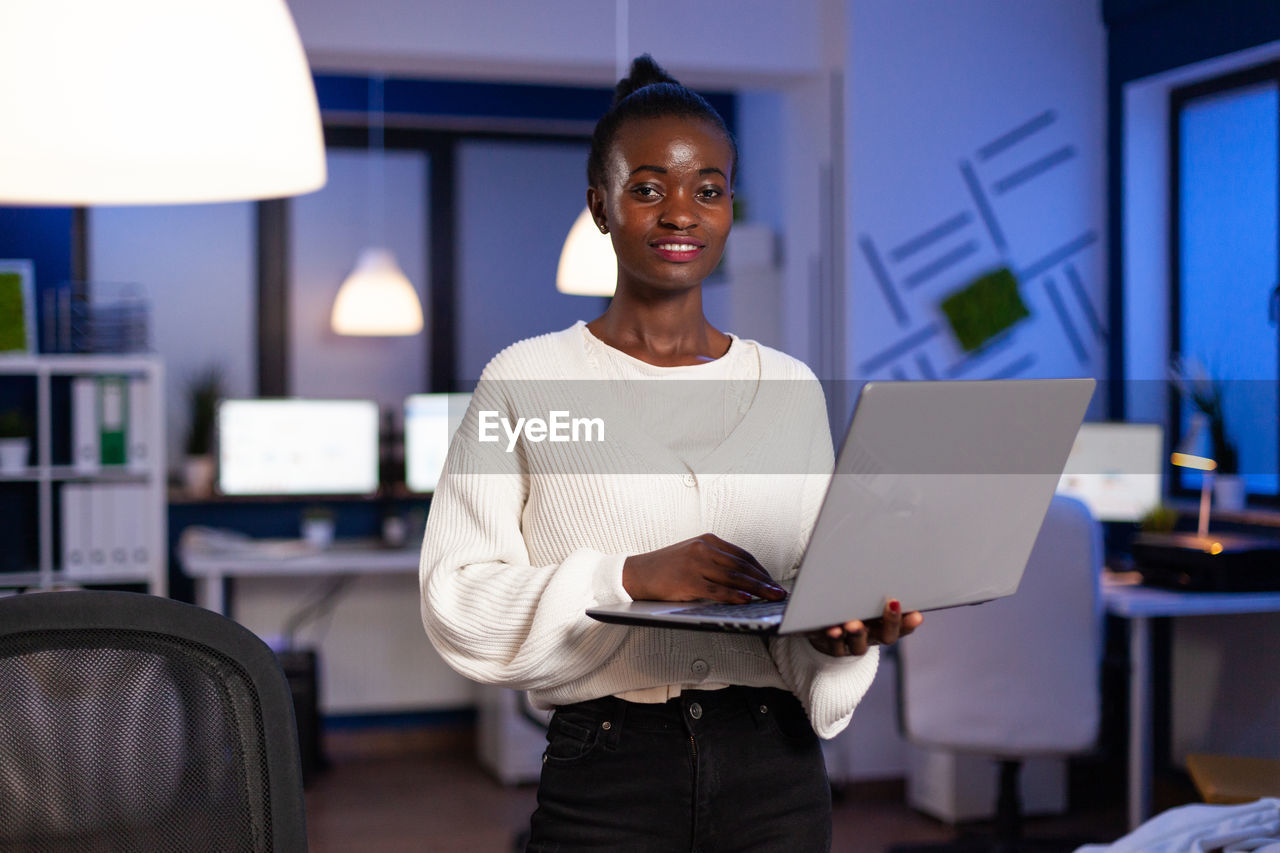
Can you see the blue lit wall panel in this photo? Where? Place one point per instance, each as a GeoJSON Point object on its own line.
{"type": "Point", "coordinates": [1228, 228]}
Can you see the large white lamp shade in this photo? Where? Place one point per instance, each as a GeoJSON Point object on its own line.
{"type": "Point", "coordinates": [588, 266]}
{"type": "Point", "coordinates": [154, 102]}
{"type": "Point", "coordinates": [377, 299]}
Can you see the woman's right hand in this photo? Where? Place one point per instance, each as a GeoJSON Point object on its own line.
{"type": "Point", "coordinates": [704, 567]}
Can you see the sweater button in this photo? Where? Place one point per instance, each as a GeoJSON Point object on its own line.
{"type": "Point", "coordinates": [690, 480]}
{"type": "Point", "coordinates": [700, 668]}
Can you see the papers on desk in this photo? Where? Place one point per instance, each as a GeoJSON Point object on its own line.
{"type": "Point", "coordinates": [216, 541]}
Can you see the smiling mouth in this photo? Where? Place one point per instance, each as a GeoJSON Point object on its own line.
{"type": "Point", "coordinates": [677, 250]}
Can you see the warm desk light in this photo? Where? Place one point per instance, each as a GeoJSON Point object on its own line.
{"type": "Point", "coordinates": [1190, 455]}
{"type": "Point", "coordinates": [155, 102]}
{"type": "Point", "coordinates": [1199, 463]}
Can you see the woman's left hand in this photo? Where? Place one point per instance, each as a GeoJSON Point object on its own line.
{"type": "Point", "coordinates": [854, 638]}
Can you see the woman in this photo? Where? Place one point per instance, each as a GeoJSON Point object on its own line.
{"type": "Point", "coordinates": [703, 483]}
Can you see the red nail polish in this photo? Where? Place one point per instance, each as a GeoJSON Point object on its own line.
{"type": "Point", "coordinates": [895, 605]}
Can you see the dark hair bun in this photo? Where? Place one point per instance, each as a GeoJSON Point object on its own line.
{"type": "Point", "coordinates": [644, 72]}
{"type": "Point", "coordinates": [648, 92]}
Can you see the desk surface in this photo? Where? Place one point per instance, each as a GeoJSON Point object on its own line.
{"type": "Point", "coordinates": [1134, 601]}
{"type": "Point", "coordinates": [1139, 604]}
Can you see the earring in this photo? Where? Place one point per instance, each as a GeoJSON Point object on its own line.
{"type": "Point", "coordinates": [604, 229]}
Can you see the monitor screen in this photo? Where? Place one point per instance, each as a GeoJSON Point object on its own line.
{"type": "Point", "coordinates": [1116, 469]}
{"type": "Point", "coordinates": [430, 420]}
{"type": "Point", "coordinates": [297, 447]}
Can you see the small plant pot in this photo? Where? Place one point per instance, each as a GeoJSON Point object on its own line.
{"type": "Point", "coordinates": [198, 475]}
{"type": "Point", "coordinates": [318, 531]}
{"type": "Point", "coordinates": [1229, 492]}
{"type": "Point", "coordinates": [14, 454]}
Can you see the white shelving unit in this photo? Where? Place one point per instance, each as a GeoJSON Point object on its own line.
{"type": "Point", "coordinates": [50, 477]}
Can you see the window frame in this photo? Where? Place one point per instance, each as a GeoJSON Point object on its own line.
{"type": "Point", "coordinates": [1179, 98]}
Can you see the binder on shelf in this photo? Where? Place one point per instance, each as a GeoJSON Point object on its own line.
{"type": "Point", "coordinates": [95, 510]}
{"type": "Point", "coordinates": [137, 540]}
{"type": "Point", "coordinates": [124, 509]}
{"type": "Point", "coordinates": [84, 424]}
{"type": "Point", "coordinates": [99, 529]}
{"type": "Point", "coordinates": [113, 405]}
{"type": "Point", "coordinates": [74, 523]}
{"type": "Point", "coordinates": [139, 452]}
{"type": "Point", "coordinates": [104, 530]}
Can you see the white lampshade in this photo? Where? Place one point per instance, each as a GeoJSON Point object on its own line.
{"type": "Point", "coordinates": [155, 102]}
{"type": "Point", "coordinates": [377, 299]}
{"type": "Point", "coordinates": [588, 266]}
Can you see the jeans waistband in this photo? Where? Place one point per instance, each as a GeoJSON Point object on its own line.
{"type": "Point", "coordinates": [691, 707]}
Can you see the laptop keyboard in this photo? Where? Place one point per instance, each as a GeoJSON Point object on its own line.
{"type": "Point", "coordinates": [751, 610]}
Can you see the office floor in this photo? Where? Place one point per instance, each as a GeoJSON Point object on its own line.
{"type": "Point", "coordinates": [386, 800]}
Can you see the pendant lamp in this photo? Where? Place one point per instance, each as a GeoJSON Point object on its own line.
{"type": "Point", "coordinates": [376, 299]}
{"type": "Point", "coordinates": [155, 102]}
{"type": "Point", "coordinates": [588, 265]}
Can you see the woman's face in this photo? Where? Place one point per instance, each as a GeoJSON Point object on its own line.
{"type": "Point", "coordinates": [666, 201]}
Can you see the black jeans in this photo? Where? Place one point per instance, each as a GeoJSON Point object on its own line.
{"type": "Point", "coordinates": [711, 770]}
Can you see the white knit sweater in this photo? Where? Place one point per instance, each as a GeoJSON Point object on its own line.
{"type": "Point", "coordinates": [520, 543]}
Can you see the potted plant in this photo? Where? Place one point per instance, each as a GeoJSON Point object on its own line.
{"type": "Point", "coordinates": [203, 393]}
{"type": "Point", "coordinates": [15, 441]}
{"type": "Point", "coordinates": [1205, 395]}
{"type": "Point", "coordinates": [1161, 518]}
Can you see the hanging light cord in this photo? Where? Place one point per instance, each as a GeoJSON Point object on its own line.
{"type": "Point", "coordinates": [377, 159]}
{"type": "Point", "coordinates": [621, 19]}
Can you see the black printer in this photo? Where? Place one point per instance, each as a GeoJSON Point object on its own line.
{"type": "Point", "coordinates": [1216, 562]}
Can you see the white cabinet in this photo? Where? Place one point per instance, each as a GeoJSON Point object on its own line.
{"type": "Point", "coordinates": [508, 743]}
{"type": "Point", "coordinates": [90, 505]}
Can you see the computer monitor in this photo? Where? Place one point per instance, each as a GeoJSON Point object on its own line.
{"type": "Point", "coordinates": [297, 447]}
{"type": "Point", "coordinates": [430, 420]}
{"type": "Point", "coordinates": [1116, 469]}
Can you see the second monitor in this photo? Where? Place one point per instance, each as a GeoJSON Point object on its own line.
{"type": "Point", "coordinates": [430, 420]}
{"type": "Point", "coordinates": [297, 447]}
{"type": "Point", "coordinates": [1116, 469]}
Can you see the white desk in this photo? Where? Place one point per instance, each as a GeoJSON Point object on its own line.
{"type": "Point", "coordinates": [1139, 605]}
{"type": "Point", "coordinates": [278, 558]}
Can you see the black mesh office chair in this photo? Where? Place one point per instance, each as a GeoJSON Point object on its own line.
{"type": "Point", "coordinates": [130, 722]}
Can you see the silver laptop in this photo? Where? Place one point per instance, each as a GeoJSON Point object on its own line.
{"type": "Point", "coordinates": [938, 495]}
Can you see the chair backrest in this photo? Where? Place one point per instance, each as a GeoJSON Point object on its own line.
{"type": "Point", "coordinates": [1019, 676]}
{"type": "Point", "coordinates": [133, 722]}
